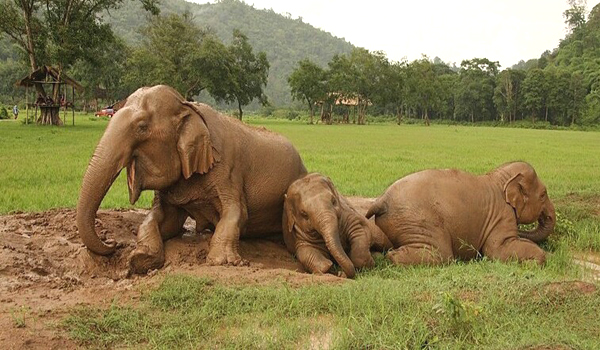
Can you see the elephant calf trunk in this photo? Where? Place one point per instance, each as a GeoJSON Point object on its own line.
{"type": "Point", "coordinates": [546, 223]}
{"type": "Point", "coordinates": [328, 227]}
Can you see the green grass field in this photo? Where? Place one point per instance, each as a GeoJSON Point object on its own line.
{"type": "Point", "coordinates": [481, 304]}
{"type": "Point", "coordinates": [42, 167]}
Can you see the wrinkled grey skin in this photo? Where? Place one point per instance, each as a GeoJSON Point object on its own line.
{"type": "Point", "coordinates": [319, 223]}
{"type": "Point", "coordinates": [434, 216]}
{"type": "Point", "coordinates": [215, 169]}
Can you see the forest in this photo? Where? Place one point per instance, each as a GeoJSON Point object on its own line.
{"type": "Point", "coordinates": [296, 66]}
{"type": "Point", "coordinates": [284, 40]}
{"type": "Point", "coordinates": [559, 88]}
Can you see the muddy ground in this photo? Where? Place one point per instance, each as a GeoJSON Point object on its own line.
{"type": "Point", "coordinates": [45, 269]}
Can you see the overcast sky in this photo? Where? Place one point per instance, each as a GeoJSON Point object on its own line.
{"type": "Point", "coordinates": [501, 30]}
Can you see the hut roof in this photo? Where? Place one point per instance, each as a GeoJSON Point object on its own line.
{"type": "Point", "coordinates": [48, 75]}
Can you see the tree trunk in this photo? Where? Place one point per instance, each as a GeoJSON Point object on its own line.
{"type": "Point", "coordinates": [312, 111]}
{"type": "Point", "coordinates": [546, 113]}
{"type": "Point", "coordinates": [50, 115]}
{"type": "Point", "coordinates": [240, 110]}
{"type": "Point", "coordinates": [399, 114]}
{"type": "Point", "coordinates": [30, 52]}
{"type": "Point", "coordinates": [322, 111]}
{"type": "Point", "coordinates": [426, 116]}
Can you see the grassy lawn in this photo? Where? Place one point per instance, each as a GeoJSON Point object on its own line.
{"type": "Point", "coordinates": [481, 304]}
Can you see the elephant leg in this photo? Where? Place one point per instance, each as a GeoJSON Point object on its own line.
{"type": "Point", "coordinates": [314, 259]}
{"type": "Point", "coordinates": [225, 242]}
{"type": "Point", "coordinates": [163, 222]}
{"type": "Point", "coordinates": [514, 248]}
{"type": "Point", "coordinates": [203, 224]}
{"type": "Point", "coordinates": [419, 254]}
{"type": "Point", "coordinates": [379, 241]}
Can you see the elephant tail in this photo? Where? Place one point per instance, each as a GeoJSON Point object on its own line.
{"type": "Point", "coordinates": [378, 208]}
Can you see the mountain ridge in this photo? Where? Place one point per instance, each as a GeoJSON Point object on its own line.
{"type": "Point", "coordinates": [285, 40]}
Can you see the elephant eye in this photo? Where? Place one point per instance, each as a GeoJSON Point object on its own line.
{"type": "Point", "coordinates": [334, 201]}
{"type": "Point", "coordinates": [304, 214]}
{"type": "Point", "coordinates": [142, 127]}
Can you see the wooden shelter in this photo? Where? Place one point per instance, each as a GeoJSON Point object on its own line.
{"type": "Point", "coordinates": [338, 99]}
{"type": "Point", "coordinates": [49, 105]}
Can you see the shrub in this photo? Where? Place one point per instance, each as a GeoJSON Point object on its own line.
{"type": "Point", "coordinates": [3, 113]}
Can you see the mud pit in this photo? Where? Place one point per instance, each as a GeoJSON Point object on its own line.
{"type": "Point", "coordinates": [45, 269]}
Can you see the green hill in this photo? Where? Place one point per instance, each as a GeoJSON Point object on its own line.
{"type": "Point", "coordinates": [285, 40]}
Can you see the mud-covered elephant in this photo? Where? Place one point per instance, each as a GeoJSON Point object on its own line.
{"type": "Point", "coordinates": [226, 175]}
{"type": "Point", "coordinates": [319, 223]}
{"type": "Point", "coordinates": [434, 216]}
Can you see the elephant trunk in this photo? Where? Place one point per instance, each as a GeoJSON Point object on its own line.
{"type": "Point", "coordinates": [546, 222]}
{"type": "Point", "coordinates": [102, 171]}
{"type": "Point", "coordinates": [327, 225]}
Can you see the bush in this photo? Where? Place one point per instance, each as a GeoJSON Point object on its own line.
{"type": "Point", "coordinates": [292, 114]}
{"type": "Point", "coordinates": [267, 111]}
{"type": "Point", "coordinates": [3, 113]}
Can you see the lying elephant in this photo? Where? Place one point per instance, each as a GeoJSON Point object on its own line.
{"type": "Point", "coordinates": [221, 172]}
{"type": "Point", "coordinates": [434, 216]}
{"type": "Point", "coordinates": [318, 221]}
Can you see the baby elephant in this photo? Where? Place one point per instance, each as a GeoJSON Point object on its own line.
{"type": "Point", "coordinates": [318, 221]}
{"type": "Point", "coordinates": [434, 216]}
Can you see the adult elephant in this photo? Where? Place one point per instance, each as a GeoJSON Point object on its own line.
{"type": "Point", "coordinates": [224, 174]}
{"type": "Point", "coordinates": [434, 216]}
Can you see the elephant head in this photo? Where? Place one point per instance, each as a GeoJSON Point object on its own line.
{"type": "Point", "coordinates": [313, 215]}
{"type": "Point", "coordinates": [159, 137]}
{"type": "Point", "coordinates": [527, 195]}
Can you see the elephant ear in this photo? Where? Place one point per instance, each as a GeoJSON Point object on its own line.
{"type": "Point", "coordinates": [194, 145]}
{"type": "Point", "coordinates": [288, 226]}
{"type": "Point", "coordinates": [331, 186]}
{"type": "Point", "coordinates": [514, 193]}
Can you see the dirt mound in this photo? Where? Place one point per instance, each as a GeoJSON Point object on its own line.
{"type": "Point", "coordinates": [567, 288]}
{"type": "Point", "coordinates": [588, 204]}
{"type": "Point", "coordinates": [44, 269]}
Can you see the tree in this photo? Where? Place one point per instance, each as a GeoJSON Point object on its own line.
{"type": "Point", "coordinates": [559, 94]}
{"type": "Point", "coordinates": [447, 97]}
{"type": "Point", "coordinates": [424, 86]}
{"type": "Point", "coordinates": [101, 75]}
{"type": "Point", "coordinates": [248, 73]}
{"type": "Point", "coordinates": [575, 15]}
{"type": "Point", "coordinates": [535, 92]}
{"type": "Point", "coordinates": [176, 52]}
{"type": "Point", "coordinates": [475, 93]}
{"type": "Point", "coordinates": [308, 82]}
{"type": "Point", "coordinates": [507, 93]}
{"type": "Point", "coordinates": [391, 91]}
{"type": "Point", "coordinates": [358, 77]}
{"type": "Point", "coordinates": [577, 93]}
{"type": "Point", "coordinates": [58, 32]}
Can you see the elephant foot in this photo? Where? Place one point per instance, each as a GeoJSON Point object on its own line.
{"type": "Point", "coordinates": [220, 256]}
{"type": "Point", "coordinates": [362, 262]}
{"type": "Point", "coordinates": [321, 268]}
{"type": "Point", "coordinates": [141, 260]}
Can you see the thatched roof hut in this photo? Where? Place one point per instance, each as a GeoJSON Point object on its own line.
{"type": "Point", "coordinates": [49, 105]}
{"type": "Point", "coordinates": [48, 75]}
